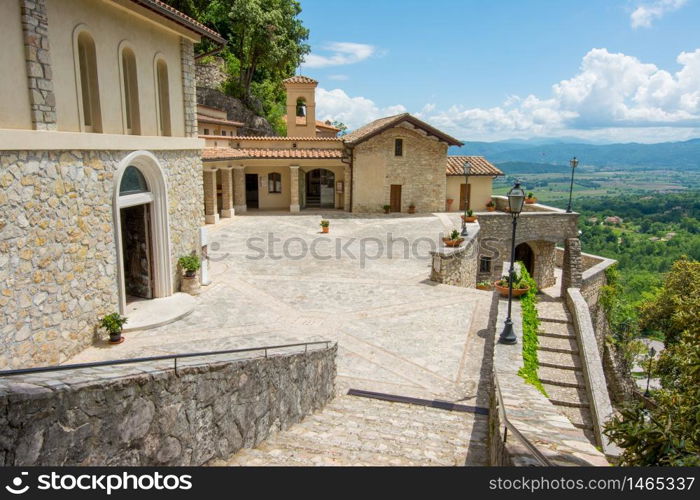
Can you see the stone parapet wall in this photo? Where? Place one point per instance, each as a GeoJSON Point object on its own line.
{"type": "Point", "coordinates": [529, 412]}
{"type": "Point", "coordinates": [457, 266]}
{"type": "Point", "coordinates": [58, 253]}
{"type": "Point", "coordinates": [145, 415]}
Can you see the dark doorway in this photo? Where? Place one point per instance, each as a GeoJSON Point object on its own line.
{"type": "Point", "coordinates": [465, 191]}
{"type": "Point", "coordinates": [395, 198]}
{"type": "Point", "coordinates": [137, 248]}
{"type": "Point", "coordinates": [523, 253]}
{"type": "Point", "coordinates": [252, 196]}
{"type": "Point", "coordinates": [320, 188]}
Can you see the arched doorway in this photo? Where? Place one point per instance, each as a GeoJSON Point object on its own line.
{"type": "Point", "coordinates": [524, 254]}
{"type": "Point", "coordinates": [141, 229]}
{"type": "Point", "coordinates": [320, 189]}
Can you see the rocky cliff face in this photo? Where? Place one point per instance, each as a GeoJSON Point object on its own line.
{"type": "Point", "coordinates": [210, 77]}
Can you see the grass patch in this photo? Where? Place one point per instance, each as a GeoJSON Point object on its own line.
{"type": "Point", "coordinates": [531, 324]}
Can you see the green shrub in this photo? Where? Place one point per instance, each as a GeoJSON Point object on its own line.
{"type": "Point", "coordinates": [531, 324]}
{"type": "Point", "coordinates": [113, 323]}
{"type": "Point", "coordinates": [189, 263]}
{"type": "Point", "coordinates": [325, 223]}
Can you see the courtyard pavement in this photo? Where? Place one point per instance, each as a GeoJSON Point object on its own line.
{"type": "Point", "coordinates": [397, 332]}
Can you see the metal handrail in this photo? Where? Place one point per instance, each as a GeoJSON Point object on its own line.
{"type": "Point", "coordinates": [508, 425]}
{"type": "Point", "coordinates": [174, 357]}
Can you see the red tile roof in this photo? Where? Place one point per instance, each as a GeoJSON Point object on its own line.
{"type": "Point", "coordinates": [301, 120]}
{"type": "Point", "coordinates": [378, 126]}
{"type": "Point", "coordinates": [300, 79]}
{"type": "Point", "coordinates": [479, 166]}
{"type": "Point", "coordinates": [215, 154]}
{"type": "Point", "coordinates": [290, 139]}
{"type": "Point", "coordinates": [218, 121]}
{"type": "Point", "coordinates": [175, 15]}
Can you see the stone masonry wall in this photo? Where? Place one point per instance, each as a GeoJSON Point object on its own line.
{"type": "Point", "coordinates": [139, 415]}
{"type": "Point", "coordinates": [39, 74]}
{"type": "Point", "coordinates": [57, 248]}
{"type": "Point", "coordinates": [457, 266]}
{"type": "Point", "coordinates": [254, 125]}
{"type": "Point", "coordinates": [189, 88]}
{"type": "Point", "coordinates": [211, 74]}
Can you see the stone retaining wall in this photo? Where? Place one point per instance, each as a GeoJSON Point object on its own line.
{"type": "Point", "coordinates": [458, 266]}
{"type": "Point", "coordinates": [151, 415]}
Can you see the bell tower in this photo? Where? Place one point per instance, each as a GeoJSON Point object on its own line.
{"type": "Point", "coordinates": [301, 106]}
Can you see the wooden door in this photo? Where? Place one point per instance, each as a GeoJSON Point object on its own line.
{"type": "Point", "coordinates": [465, 194]}
{"type": "Point", "coordinates": [395, 198]}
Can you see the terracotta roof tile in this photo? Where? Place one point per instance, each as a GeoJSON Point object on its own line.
{"type": "Point", "coordinates": [218, 121]}
{"type": "Point", "coordinates": [378, 126]}
{"type": "Point", "coordinates": [300, 79]}
{"type": "Point", "coordinates": [213, 154]}
{"type": "Point", "coordinates": [319, 124]}
{"type": "Point", "coordinates": [480, 166]}
{"type": "Point", "coordinates": [290, 139]}
{"type": "Point", "coordinates": [175, 15]}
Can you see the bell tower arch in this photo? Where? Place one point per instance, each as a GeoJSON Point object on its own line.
{"type": "Point", "coordinates": [301, 106]}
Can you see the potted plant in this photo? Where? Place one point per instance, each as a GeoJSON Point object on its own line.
{"type": "Point", "coordinates": [114, 323]}
{"type": "Point", "coordinates": [387, 209]}
{"type": "Point", "coordinates": [190, 264]}
{"type": "Point", "coordinates": [470, 217]}
{"type": "Point", "coordinates": [519, 287]}
{"type": "Point", "coordinates": [453, 240]}
{"type": "Point", "coordinates": [325, 225]}
{"type": "Point", "coordinates": [450, 201]}
{"type": "Point", "coordinates": [412, 208]}
{"type": "Point", "coordinates": [530, 199]}
{"type": "Point", "coordinates": [491, 206]}
{"type": "Point", "coordinates": [484, 285]}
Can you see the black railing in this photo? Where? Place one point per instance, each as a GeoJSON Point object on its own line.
{"type": "Point", "coordinates": [165, 357]}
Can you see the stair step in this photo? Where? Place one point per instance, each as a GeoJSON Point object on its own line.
{"type": "Point", "coordinates": [556, 335]}
{"type": "Point", "coordinates": [565, 361]}
{"type": "Point", "coordinates": [557, 349]}
{"type": "Point", "coordinates": [583, 426]}
{"type": "Point", "coordinates": [569, 404]}
{"type": "Point", "coordinates": [559, 367]}
{"type": "Point", "coordinates": [561, 383]}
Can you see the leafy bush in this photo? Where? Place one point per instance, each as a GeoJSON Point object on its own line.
{"type": "Point", "coordinates": [189, 263]}
{"type": "Point", "coordinates": [531, 325]}
{"type": "Point", "coordinates": [325, 223]}
{"type": "Point", "coordinates": [113, 323]}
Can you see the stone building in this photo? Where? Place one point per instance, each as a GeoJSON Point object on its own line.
{"type": "Point", "coordinates": [100, 166]}
{"type": "Point", "coordinates": [399, 161]}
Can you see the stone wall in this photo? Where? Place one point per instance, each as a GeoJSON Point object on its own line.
{"type": "Point", "coordinates": [211, 73]}
{"type": "Point", "coordinates": [254, 124]}
{"type": "Point", "coordinates": [57, 245]}
{"type": "Point", "coordinates": [143, 415]}
{"type": "Point", "coordinates": [420, 172]}
{"type": "Point", "coordinates": [457, 266]}
{"type": "Point", "coordinates": [189, 88]}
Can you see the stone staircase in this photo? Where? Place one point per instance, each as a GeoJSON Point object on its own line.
{"type": "Point", "coordinates": [560, 365]}
{"type": "Point", "coordinates": [354, 430]}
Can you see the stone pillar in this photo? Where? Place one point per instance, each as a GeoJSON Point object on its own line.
{"type": "Point", "coordinates": [227, 210]}
{"type": "Point", "coordinates": [211, 215]}
{"type": "Point", "coordinates": [239, 189]}
{"type": "Point", "coordinates": [347, 187]}
{"type": "Point", "coordinates": [37, 56]}
{"type": "Point", "coordinates": [189, 90]}
{"type": "Point", "coordinates": [294, 187]}
{"type": "Point", "coordinates": [571, 269]}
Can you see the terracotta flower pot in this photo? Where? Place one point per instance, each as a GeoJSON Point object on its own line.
{"type": "Point", "coordinates": [324, 229]}
{"type": "Point", "coordinates": [449, 242]}
{"type": "Point", "coordinates": [530, 201]}
{"type": "Point", "coordinates": [517, 292]}
{"type": "Point", "coordinates": [450, 201]}
{"type": "Point", "coordinates": [491, 209]}
{"type": "Point", "coordinates": [471, 218]}
{"type": "Point", "coordinates": [411, 210]}
{"type": "Point", "coordinates": [484, 287]}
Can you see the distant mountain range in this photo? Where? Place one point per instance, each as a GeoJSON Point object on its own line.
{"type": "Point", "coordinates": [684, 155]}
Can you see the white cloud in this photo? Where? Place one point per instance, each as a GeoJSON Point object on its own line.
{"type": "Point", "coordinates": [645, 14]}
{"type": "Point", "coordinates": [341, 53]}
{"type": "Point", "coordinates": [338, 77]}
{"type": "Point", "coordinates": [352, 111]}
{"type": "Point", "coordinates": [612, 91]}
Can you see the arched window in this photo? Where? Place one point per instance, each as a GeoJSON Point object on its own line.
{"type": "Point", "coordinates": [130, 92]}
{"type": "Point", "coordinates": [301, 111]}
{"type": "Point", "coordinates": [133, 182]}
{"type": "Point", "coordinates": [163, 97]}
{"type": "Point", "coordinates": [89, 87]}
{"type": "Point", "coordinates": [274, 182]}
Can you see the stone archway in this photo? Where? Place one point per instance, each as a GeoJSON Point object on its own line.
{"type": "Point", "coordinates": [524, 254]}
{"type": "Point", "coordinates": [320, 189]}
{"type": "Point", "coordinates": [141, 227]}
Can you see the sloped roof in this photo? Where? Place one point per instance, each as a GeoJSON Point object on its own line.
{"type": "Point", "coordinates": [175, 15]}
{"type": "Point", "coordinates": [215, 154]}
{"type": "Point", "coordinates": [378, 126]}
{"type": "Point", "coordinates": [479, 166]}
{"type": "Point", "coordinates": [301, 120]}
{"type": "Point", "coordinates": [300, 79]}
{"type": "Point", "coordinates": [218, 121]}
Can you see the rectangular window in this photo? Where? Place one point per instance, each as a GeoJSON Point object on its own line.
{"type": "Point", "coordinates": [485, 264]}
{"type": "Point", "coordinates": [398, 147]}
{"type": "Point", "coordinates": [274, 183]}
{"type": "Point", "coordinates": [206, 131]}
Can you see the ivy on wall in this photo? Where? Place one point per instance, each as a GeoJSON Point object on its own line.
{"type": "Point", "coordinates": [531, 325]}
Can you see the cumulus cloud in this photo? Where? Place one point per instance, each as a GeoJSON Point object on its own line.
{"type": "Point", "coordinates": [340, 54]}
{"type": "Point", "coordinates": [610, 91]}
{"type": "Point", "coordinates": [645, 14]}
{"type": "Point", "coordinates": [352, 111]}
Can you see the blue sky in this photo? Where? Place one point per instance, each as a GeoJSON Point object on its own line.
{"type": "Point", "coordinates": [488, 70]}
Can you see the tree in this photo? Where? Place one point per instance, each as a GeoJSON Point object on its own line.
{"type": "Point", "coordinates": [667, 430]}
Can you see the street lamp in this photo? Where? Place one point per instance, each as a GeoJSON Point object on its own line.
{"type": "Point", "coordinates": [574, 163]}
{"type": "Point", "coordinates": [467, 168]}
{"type": "Point", "coordinates": [516, 198]}
{"type": "Point", "coordinates": [652, 353]}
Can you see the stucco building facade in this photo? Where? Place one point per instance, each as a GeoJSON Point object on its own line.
{"type": "Point", "coordinates": [100, 166]}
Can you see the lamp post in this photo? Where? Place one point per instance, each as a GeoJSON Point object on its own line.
{"type": "Point", "coordinates": [652, 353]}
{"type": "Point", "coordinates": [467, 168]}
{"type": "Point", "coordinates": [574, 163]}
{"type": "Point", "coordinates": [516, 198]}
